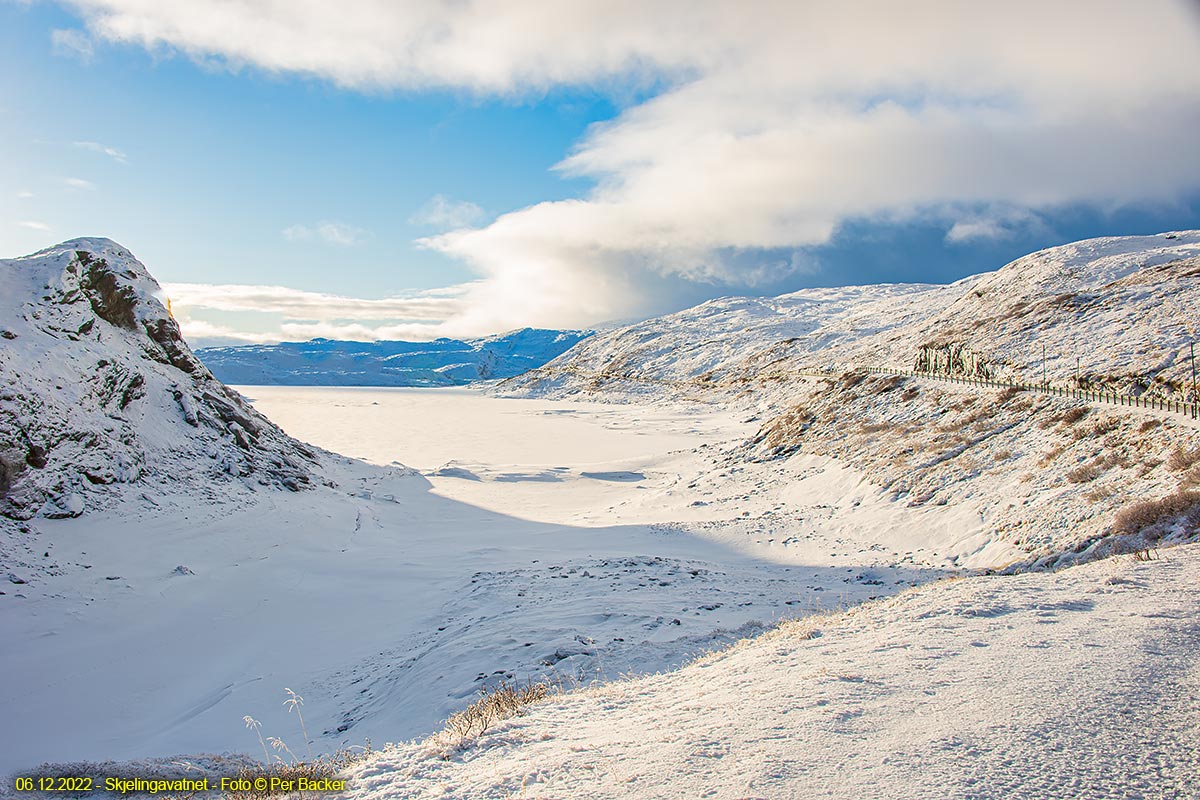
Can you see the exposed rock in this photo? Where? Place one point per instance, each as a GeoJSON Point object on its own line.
{"type": "Point", "coordinates": [101, 391]}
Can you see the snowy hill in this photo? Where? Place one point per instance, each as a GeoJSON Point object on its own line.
{"type": "Point", "coordinates": [1055, 479]}
{"type": "Point", "coordinates": [1119, 312]}
{"type": "Point", "coordinates": [713, 337]}
{"type": "Point", "coordinates": [100, 393]}
{"type": "Point", "coordinates": [442, 362]}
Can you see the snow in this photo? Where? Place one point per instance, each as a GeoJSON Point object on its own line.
{"type": "Point", "coordinates": [1074, 684]}
{"type": "Point", "coordinates": [643, 549]}
{"type": "Point", "coordinates": [389, 601]}
{"type": "Point", "coordinates": [1117, 312]}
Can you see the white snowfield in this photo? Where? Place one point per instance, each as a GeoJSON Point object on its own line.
{"type": "Point", "coordinates": [481, 540]}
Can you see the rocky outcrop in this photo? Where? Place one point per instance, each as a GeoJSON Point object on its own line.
{"type": "Point", "coordinates": [101, 393]}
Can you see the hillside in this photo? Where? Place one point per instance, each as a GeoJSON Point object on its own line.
{"type": "Point", "coordinates": [1115, 313]}
{"type": "Point", "coordinates": [102, 397]}
{"type": "Point", "coordinates": [442, 362]}
{"type": "Point", "coordinates": [1057, 479]}
{"type": "Point", "coordinates": [1031, 683]}
{"type": "Point", "coordinates": [173, 560]}
{"type": "Point", "coordinates": [904, 520]}
{"type": "Point", "coordinates": [1078, 684]}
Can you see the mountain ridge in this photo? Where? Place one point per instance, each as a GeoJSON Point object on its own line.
{"type": "Point", "coordinates": [396, 363]}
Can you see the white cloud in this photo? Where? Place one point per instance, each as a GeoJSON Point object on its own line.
{"type": "Point", "coordinates": [203, 333]}
{"type": "Point", "coordinates": [111, 152]}
{"type": "Point", "coordinates": [338, 233]}
{"type": "Point", "coordinates": [72, 44]}
{"type": "Point", "coordinates": [79, 183]}
{"type": "Point", "coordinates": [279, 313]}
{"type": "Point", "coordinates": [995, 224]}
{"type": "Point", "coordinates": [33, 225]}
{"type": "Point", "coordinates": [24, 194]}
{"type": "Point", "coordinates": [441, 212]}
{"type": "Point", "coordinates": [773, 122]}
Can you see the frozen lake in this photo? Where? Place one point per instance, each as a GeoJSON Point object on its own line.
{"type": "Point", "coordinates": [534, 539]}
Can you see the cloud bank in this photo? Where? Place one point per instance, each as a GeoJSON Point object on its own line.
{"type": "Point", "coordinates": [769, 125]}
{"type": "Point", "coordinates": [278, 313]}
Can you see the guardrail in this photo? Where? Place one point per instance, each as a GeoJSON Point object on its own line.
{"type": "Point", "coordinates": [1191, 410]}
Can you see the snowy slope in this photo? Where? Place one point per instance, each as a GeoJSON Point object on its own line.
{"type": "Point", "coordinates": [1119, 312]}
{"type": "Point", "coordinates": [1078, 684]}
{"type": "Point", "coordinates": [442, 362]}
{"type": "Point", "coordinates": [709, 339]}
{"type": "Point", "coordinates": [100, 393]}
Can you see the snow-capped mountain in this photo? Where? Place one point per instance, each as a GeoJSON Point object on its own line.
{"type": "Point", "coordinates": [100, 392]}
{"type": "Point", "coordinates": [1116, 313]}
{"type": "Point", "coordinates": [442, 362]}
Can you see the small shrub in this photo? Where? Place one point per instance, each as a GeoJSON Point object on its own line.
{"type": "Point", "coordinates": [1002, 455]}
{"type": "Point", "coordinates": [887, 384]}
{"type": "Point", "coordinates": [1050, 455]}
{"type": "Point", "coordinates": [1096, 430]}
{"type": "Point", "coordinates": [1006, 394]}
{"type": "Point", "coordinates": [1149, 425]}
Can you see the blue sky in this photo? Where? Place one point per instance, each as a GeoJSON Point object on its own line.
{"type": "Point", "coordinates": [377, 171]}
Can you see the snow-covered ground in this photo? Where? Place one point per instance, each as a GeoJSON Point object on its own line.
{"type": "Point", "coordinates": [1077, 684]}
{"type": "Point", "coordinates": [540, 538]}
{"type": "Point", "coordinates": [175, 560]}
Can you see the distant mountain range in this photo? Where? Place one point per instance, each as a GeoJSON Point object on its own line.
{"type": "Point", "coordinates": [442, 362]}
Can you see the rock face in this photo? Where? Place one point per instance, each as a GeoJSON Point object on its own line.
{"type": "Point", "coordinates": [101, 393]}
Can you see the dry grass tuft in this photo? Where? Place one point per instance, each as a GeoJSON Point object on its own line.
{"type": "Point", "coordinates": [1182, 459]}
{"type": "Point", "coordinates": [313, 769]}
{"type": "Point", "coordinates": [1074, 415]}
{"type": "Point", "coordinates": [1154, 517]}
{"type": "Point", "coordinates": [499, 703]}
{"type": "Point", "coordinates": [1085, 473]}
{"type": "Point", "coordinates": [1006, 394]}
